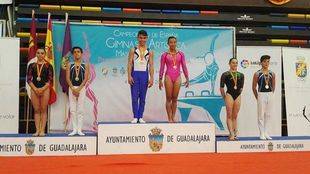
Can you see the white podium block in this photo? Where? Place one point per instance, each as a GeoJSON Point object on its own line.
{"type": "Point", "coordinates": [50, 145]}
{"type": "Point", "coordinates": [153, 138]}
{"type": "Point", "coordinates": [251, 144]}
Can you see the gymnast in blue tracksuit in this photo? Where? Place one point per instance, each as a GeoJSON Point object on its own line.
{"type": "Point", "coordinates": [140, 75]}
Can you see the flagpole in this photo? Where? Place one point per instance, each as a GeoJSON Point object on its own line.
{"type": "Point", "coordinates": [49, 106]}
{"type": "Point", "coordinates": [66, 116]}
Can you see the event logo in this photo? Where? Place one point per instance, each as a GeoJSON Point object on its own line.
{"type": "Point", "coordinates": [30, 146]}
{"type": "Point", "coordinates": [156, 139]}
{"type": "Point", "coordinates": [245, 63]}
{"type": "Point", "coordinates": [301, 68]}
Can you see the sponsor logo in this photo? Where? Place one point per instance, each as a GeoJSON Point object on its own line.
{"type": "Point", "coordinates": [245, 18]}
{"type": "Point", "coordinates": [30, 146]}
{"type": "Point", "coordinates": [247, 31]}
{"type": "Point", "coordinates": [156, 139]}
{"type": "Point", "coordinates": [245, 63]}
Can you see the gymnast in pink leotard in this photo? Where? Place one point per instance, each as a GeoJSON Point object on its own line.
{"type": "Point", "coordinates": [172, 60]}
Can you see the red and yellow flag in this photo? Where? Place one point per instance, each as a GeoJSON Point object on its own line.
{"type": "Point", "coordinates": [50, 58]}
{"type": "Point", "coordinates": [32, 39]}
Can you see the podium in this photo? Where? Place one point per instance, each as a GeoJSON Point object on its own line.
{"type": "Point", "coordinates": [154, 138]}
{"type": "Point", "coordinates": [50, 145]}
{"type": "Point", "coordinates": [254, 144]}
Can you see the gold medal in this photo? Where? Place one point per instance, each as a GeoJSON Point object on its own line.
{"type": "Point", "coordinates": [38, 79]}
{"type": "Point", "coordinates": [174, 59]}
{"type": "Point", "coordinates": [77, 79]}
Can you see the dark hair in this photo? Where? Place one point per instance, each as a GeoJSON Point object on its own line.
{"type": "Point", "coordinates": [231, 59]}
{"type": "Point", "coordinates": [41, 48]}
{"type": "Point", "coordinates": [142, 32]}
{"type": "Point", "coordinates": [72, 50]}
{"type": "Point", "coordinates": [171, 37]}
{"type": "Point", "coordinates": [264, 57]}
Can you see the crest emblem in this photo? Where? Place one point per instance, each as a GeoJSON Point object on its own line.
{"type": "Point", "coordinates": [30, 146]}
{"type": "Point", "coordinates": [270, 146]}
{"type": "Point", "coordinates": [301, 68]}
{"type": "Point", "coordinates": [156, 139]}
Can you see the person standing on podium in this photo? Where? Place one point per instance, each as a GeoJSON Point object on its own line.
{"type": "Point", "coordinates": [265, 79]}
{"type": "Point", "coordinates": [77, 75]}
{"type": "Point", "coordinates": [140, 70]}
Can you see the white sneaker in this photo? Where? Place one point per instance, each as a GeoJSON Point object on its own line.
{"type": "Point", "coordinates": [141, 120]}
{"type": "Point", "coordinates": [74, 132]}
{"type": "Point", "coordinates": [262, 137]}
{"type": "Point", "coordinates": [80, 133]}
{"type": "Point", "coordinates": [135, 120]}
{"type": "Point", "coordinates": [268, 137]}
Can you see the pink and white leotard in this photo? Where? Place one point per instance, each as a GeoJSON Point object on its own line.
{"type": "Point", "coordinates": [173, 73]}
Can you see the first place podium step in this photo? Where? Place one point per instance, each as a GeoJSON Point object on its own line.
{"type": "Point", "coordinates": [153, 138]}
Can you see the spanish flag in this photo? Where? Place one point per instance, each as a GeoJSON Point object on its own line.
{"type": "Point", "coordinates": [50, 58]}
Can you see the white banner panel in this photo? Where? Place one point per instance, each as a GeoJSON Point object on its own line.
{"type": "Point", "coordinates": [289, 145]}
{"type": "Point", "coordinates": [9, 85]}
{"type": "Point", "coordinates": [296, 63]}
{"type": "Point", "coordinates": [249, 63]}
{"type": "Point", "coordinates": [48, 146]}
{"type": "Point", "coordinates": [156, 138]}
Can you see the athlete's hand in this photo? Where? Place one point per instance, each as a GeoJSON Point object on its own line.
{"type": "Point", "coordinates": [151, 82]}
{"type": "Point", "coordinates": [39, 91]}
{"type": "Point", "coordinates": [75, 93]}
{"type": "Point", "coordinates": [130, 80]}
{"type": "Point", "coordinates": [160, 85]}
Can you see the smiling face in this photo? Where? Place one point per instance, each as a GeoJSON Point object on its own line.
{"type": "Point", "coordinates": [40, 54]}
{"type": "Point", "coordinates": [233, 64]}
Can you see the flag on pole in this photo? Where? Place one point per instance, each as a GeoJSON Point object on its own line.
{"type": "Point", "coordinates": [50, 58]}
{"type": "Point", "coordinates": [32, 48]}
{"type": "Point", "coordinates": [66, 51]}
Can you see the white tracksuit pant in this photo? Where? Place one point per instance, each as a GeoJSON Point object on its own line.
{"type": "Point", "coordinates": [77, 109]}
{"type": "Point", "coordinates": [264, 108]}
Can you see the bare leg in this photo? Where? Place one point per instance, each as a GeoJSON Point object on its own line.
{"type": "Point", "coordinates": [44, 102]}
{"type": "Point", "coordinates": [168, 89]}
{"type": "Point", "coordinates": [175, 93]}
{"type": "Point", "coordinates": [229, 101]}
{"type": "Point", "coordinates": [235, 111]}
{"type": "Point", "coordinates": [35, 100]}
